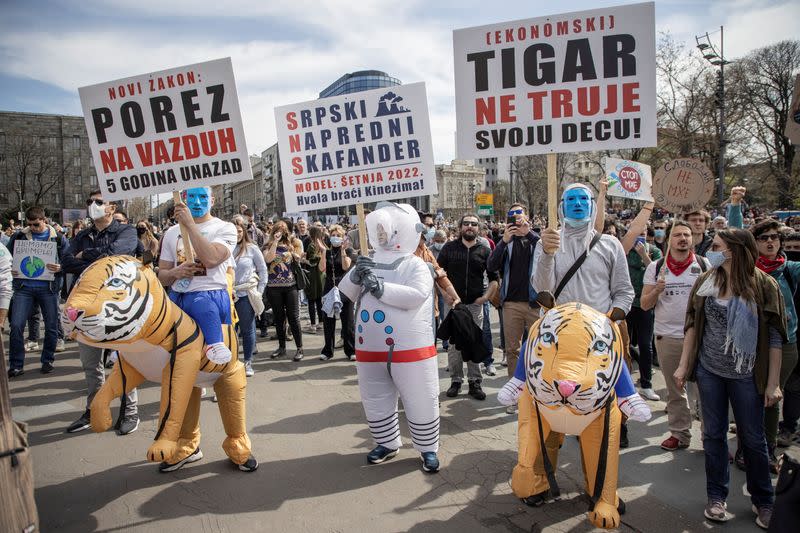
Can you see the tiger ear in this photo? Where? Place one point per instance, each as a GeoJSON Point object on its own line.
{"type": "Point", "coordinates": [546, 300]}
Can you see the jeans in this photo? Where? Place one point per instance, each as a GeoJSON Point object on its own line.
{"type": "Point", "coordinates": [748, 410]}
{"type": "Point", "coordinates": [348, 333]}
{"type": "Point", "coordinates": [487, 334]}
{"type": "Point", "coordinates": [92, 362]}
{"type": "Point", "coordinates": [640, 327]}
{"type": "Point", "coordinates": [286, 305]}
{"type": "Point", "coordinates": [25, 298]}
{"type": "Point", "coordinates": [246, 326]}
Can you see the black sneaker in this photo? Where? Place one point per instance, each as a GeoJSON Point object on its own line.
{"type": "Point", "coordinates": [264, 334]}
{"type": "Point", "coordinates": [430, 463]}
{"type": "Point", "coordinates": [165, 467]}
{"type": "Point", "coordinates": [298, 355]}
{"type": "Point", "coordinates": [250, 465]}
{"type": "Point", "coordinates": [15, 372]}
{"type": "Point", "coordinates": [130, 423]}
{"type": "Point", "coordinates": [280, 352]}
{"type": "Point", "coordinates": [454, 389]}
{"type": "Point", "coordinates": [536, 500]}
{"type": "Point", "coordinates": [476, 392]}
{"type": "Point", "coordinates": [380, 454]}
{"type": "Point", "coordinates": [47, 368]}
{"type": "Point", "coordinates": [80, 424]}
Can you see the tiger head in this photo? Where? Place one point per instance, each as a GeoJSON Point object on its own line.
{"type": "Point", "coordinates": [573, 359]}
{"type": "Point", "coordinates": [111, 301]}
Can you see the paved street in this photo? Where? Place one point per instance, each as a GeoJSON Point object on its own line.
{"type": "Point", "coordinates": [310, 437]}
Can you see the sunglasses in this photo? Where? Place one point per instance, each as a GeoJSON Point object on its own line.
{"type": "Point", "coordinates": [769, 237]}
{"type": "Point", "coordinates": [97, 201]}
{"type": "Point", "coordinates": [475, 224]}
{"type": "Point", "coordinates": [515, 212]}
{"type": "Point", "coordinates": [34, 222]}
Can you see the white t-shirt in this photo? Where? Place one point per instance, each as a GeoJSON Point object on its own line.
{"type": "Point", "coordinates": [670, 310]}
{"type": "Point", "coordinates": [215, 230]}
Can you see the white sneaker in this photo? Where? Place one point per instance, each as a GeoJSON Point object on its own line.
{"type": "Point", "coordinates": [248, 369]}
{"type": "Point", "coordinates": [649, 394]}
{"type": "Point", "coordinates": [60, 345]}
{"type": "Point", "coordinates": [218, 353]}
{"type": "Point", "coordinates": [634, 408]}
{"type": "Point", "coordinates": [511, 409]}
{"type": "Point", "coordinates": [31, 346]}
{"type": "Point", "coordinates": [490, 370]}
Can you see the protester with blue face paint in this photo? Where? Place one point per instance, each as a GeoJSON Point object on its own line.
{"type": "Point", "coordinates": [201, 288]}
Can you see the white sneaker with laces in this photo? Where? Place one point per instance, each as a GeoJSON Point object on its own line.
{"type": "Point", "coordinates": [31, 346]}
{"type": "Point", "coordinates": [218, 353]}
{"type": "Point", "coordinates": [490, 370]}
{"type": "Point", "coordinates": [60, 345]}
{"type": "Point", "coordinates": [248, 369]}
{"type": "Point", "coordinates": [339, 343]}
{"type": "Point", "coordinates": [635, 408]}
{"type": "Point", "coordinates": [649, 394]}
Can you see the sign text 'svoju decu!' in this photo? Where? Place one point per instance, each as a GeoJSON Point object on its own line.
{"type": "Point", "coordinates": [362, 147]}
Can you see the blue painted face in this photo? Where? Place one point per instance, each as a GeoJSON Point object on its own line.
{"type": "Point", "coordinates": [198, 200]}
{"type": "Point", "coordinates": [577, 204]}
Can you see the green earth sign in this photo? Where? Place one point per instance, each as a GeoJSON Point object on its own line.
{"type": "Point", "coordinates": [32, 267]}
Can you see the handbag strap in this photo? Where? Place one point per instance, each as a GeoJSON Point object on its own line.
{"type": "Point", "coordinates": [575, 266]}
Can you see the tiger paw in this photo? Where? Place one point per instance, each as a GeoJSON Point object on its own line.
{"type": "Point", "coordinates": [604, 515]}
{"type": "Point", "coordinates": [161, 450]}
{"type": "Point", "coordinates": [100, 417]}
{"type": "Point", "coordinates": [218, 353]}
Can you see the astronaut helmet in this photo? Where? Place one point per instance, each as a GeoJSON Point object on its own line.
{"type": "Point", "coordinates": [394, 228]}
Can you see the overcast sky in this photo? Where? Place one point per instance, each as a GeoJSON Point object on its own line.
{"type": "Point", "coordinates": [287, 51]}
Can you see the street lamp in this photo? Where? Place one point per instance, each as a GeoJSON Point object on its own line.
{"type": "Point", "coordinates": [717, 59]}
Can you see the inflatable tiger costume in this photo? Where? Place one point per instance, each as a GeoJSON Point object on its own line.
{"type": "Point", "coordinates": [573, 358]}
{"type": "Point", "coordinates": [119, 304]}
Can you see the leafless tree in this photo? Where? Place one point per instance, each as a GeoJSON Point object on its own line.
{"type": "Point", "coordinates": [35, 166]}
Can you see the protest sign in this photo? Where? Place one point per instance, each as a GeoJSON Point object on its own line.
{"type": "Point", "coordinates": [682, 185]}
{"type": "Point", "coordinates": [793, 120]}
{"type": "Point", "coordinates": [564, 83]}
{"type": "Point", "coordinates": [165, 131]}
{"type": "Point", "coordinates": [355, 148]}
{"type": "Point", "coordinates": [629, 179]}
{"type": "Point", "coordinates": [30, 258]}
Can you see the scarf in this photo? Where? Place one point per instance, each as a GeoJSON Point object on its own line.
{"type": "Point", "coordinates": [678, 268]}
{"type": "Point", "coordinates": [741, 337]}
{"type": "Point", "coordinates": [768, 265]}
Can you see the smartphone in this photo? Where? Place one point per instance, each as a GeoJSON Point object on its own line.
{"type": "Point", "coordinates": [511, 221]}
{"type": "Point", "coordinates": [640, 240]}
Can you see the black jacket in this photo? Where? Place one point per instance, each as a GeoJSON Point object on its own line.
{"type": "Point", "coordinates": [461, 331]}
{"type": "Point", "coordinates": [116, 239]}
{"type": "Point", "coordinates": [465, 268]}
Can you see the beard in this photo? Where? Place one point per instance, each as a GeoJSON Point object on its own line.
{"type": "Point", "coordinates": [468, 236]}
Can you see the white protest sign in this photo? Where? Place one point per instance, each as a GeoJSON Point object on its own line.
{"type": "Point", "coordinates": [165, 131]}
{"type": "Point", "coordinates": [629, 179]}
{"type": "Point", "coordinates": [564, 83]}
{"type": "Point", "coordinates": [30, 258]}
{"type": "Point", "coordinates": [356, 148]}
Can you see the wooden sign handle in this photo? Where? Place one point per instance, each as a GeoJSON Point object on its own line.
{"type": "Point", "coordinates": [188, 252]}
{"type": "Point", "coordinates": [362, 230]}
{"type": "Point", "coordinates": [552, 191]}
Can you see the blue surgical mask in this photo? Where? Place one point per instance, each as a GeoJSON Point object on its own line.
{"type": "Point", "coordinates": [198, 200]}
{"type": "Point", "coordinates": [717, 259]}
{"type": "Point", "coordinates": [430, 234]}
{"type": "Point", "coordinates": [336, 241]}
{"type": "Point", "coordinates": [659, 233]}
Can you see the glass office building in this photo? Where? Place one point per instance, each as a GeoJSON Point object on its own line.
{"type": "Point", "coordinates": [363, 80]}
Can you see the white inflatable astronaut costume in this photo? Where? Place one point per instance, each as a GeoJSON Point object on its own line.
{"type": "Point", "coordinates": [395, 345]}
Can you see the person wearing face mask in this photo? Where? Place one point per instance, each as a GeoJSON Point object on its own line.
{"type": "Point", "coordinates": [734, 331]}
{"type": "Point", "coordinates": [104, 237]}
{"type": "Point", "coordinates": [149, 242]}
{"type": "Point", "coordinates": [335, 261]}
{"type": "Point", "coordinates": [786, 273]}
{"type": "Point", "coordinates": [660, 235]}
{"type": "Point", "coordinates": [200, 288]}
{"type": "Point", "coordinates": [439, 239]}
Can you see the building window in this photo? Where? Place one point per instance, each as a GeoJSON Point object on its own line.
{"type": "Point", "coordinates": [76, 161]}
{"type": "Point", "coordinates": [79, 180]}
{"type": "Point", "coordinates": [93, 180]}
{"type": "Point", "coordinates": [78, 198]}
{"type": "Point", "coordinates": [76, 142]}
{"type": "Point", "coordinates": [91, 162]}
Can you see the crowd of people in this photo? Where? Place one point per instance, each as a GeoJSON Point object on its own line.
{"type": "Point", "coordinates": [710, 300]}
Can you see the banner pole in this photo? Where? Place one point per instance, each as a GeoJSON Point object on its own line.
{"type": "Point", "coordinates": [362, 230]}
{"type": "Point", "coordinates": [552, 191]}
{"type": "Point", "coordinates": [187, 244]}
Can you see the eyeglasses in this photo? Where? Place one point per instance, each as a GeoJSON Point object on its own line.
{"type": "Point", "coordinates": [769, 237]}
{"type": "Point", "coordinates": [96, 201]}
{"type": "Point", "coordinates": [475, 224]}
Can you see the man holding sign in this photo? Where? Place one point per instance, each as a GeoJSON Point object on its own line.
{"type": "Point", "coordinates": [201, 287]}
{"type": "Point", "coordinates": [37, 251]}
